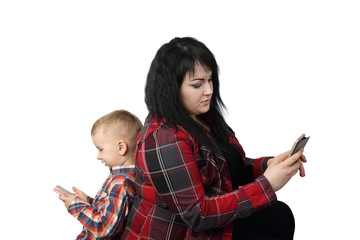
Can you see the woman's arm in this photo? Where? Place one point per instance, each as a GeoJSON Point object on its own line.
{"type": "Point", "coordinates": [256, 166]}
{"type": "Point", "coordinates": [169, 162]}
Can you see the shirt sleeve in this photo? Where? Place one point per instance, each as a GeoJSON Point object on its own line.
{"type": "Point", "coordinates": [173, 171]}
{"type": "Point", "coordinates": [105, 217]}
{"type": "Point", "coordinates": [256, 166]}
{"type": "Point", "coordinates": [90, 200]}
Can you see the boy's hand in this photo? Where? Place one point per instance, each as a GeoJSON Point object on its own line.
{"type": "Point", "coordinates": [67, 199]}
{"type": "Point", "coordinates": [81, 194]}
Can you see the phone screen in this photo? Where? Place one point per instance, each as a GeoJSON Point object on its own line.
{"type": "Point", "coordinates": [299, 143]}
{"type": "Point", "coordinates": [60, 190]}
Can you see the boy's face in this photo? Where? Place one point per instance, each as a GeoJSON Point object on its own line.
{"type": "Point", "coordinates": [108, 149]}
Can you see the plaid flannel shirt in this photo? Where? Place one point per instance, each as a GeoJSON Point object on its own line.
{"type": "Point", "coordinates": [184, 190]}
{"type": "Point", "coordinates": [104, 217]}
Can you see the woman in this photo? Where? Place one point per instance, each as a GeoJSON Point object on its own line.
{"type": "Point", "coordinates": [193, 178]}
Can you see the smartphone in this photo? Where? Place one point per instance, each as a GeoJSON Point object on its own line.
{"type": "Point", "coordinates": [60, 190]}
{"type": "Point", "coordinates": [298, 144]}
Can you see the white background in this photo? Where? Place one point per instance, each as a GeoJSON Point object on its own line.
{"type": "Point", "coordinates": [286, 68]}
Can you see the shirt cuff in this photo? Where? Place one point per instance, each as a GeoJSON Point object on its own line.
{"type": "Point", "coordinates": [260, 193]}
{"type": "Point", "coordinates": [76, 206]}
{"type": "Point", "coordinates": [90, 200]}
{"type": "Point", "coordinates": [260, 165]}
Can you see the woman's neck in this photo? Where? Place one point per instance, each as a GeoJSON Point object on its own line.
{"type": "Point", "coordinates": [201, 122]}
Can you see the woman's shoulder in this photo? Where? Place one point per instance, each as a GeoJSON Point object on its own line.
{"type": "Point", "coordinates": [162, 128]}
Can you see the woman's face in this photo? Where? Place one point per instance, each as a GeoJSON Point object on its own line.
{"type": "Point", "coordinates": [196, 91]}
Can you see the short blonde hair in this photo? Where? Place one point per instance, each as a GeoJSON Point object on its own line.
{"type": "Point", "coordinates": [121, 124]}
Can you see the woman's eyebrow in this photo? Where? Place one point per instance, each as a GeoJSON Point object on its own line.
{"type": "Point", "coordinates": [195, 79]}
{"type": "Point", "coordinates": [200, 79]}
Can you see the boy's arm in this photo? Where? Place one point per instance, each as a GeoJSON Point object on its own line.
{"type": "Point", "coordinates": [67, 199]}
{"type": "Point", "coordinates": [106, 216]}
{"type": "Point", "coordinates": [90, 200]}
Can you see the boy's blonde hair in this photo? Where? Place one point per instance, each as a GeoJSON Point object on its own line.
{"type": "Point", "coordinates": [121, 124]}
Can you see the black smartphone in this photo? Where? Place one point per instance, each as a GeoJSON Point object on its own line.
{"type": "Point", "coordinates": [298, 144]}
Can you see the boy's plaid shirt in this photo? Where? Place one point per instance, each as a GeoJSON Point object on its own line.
{"type": "Point", "coordinates": [184, 190]}
{"type": "Point", "coordinates": [105, 216]}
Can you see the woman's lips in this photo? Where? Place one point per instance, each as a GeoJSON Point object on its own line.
{"type": "Point", "coordinates": [205, 102]}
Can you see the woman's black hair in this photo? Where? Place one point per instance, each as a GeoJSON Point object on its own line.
{"type": "Point", "coordinates": [162, 92]}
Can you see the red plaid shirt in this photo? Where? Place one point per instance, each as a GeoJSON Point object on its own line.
{"type": "Point", "coordinates": [184, 190]}
{"type": "Point", "coordinates": [105, 216]}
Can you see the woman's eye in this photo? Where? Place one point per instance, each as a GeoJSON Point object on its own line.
{"type": "Point", "coordinates": [197, 85]}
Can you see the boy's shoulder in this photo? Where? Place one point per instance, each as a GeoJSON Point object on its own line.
{"type": "Point", "coordinates": [123, 175]}
{"type": "Point", "coordinates": [123, 171]}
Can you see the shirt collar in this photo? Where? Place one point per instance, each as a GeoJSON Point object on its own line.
{"type": "Point", "coordinates": [122, 169]}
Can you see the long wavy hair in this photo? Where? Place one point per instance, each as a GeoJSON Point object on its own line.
{"type": "Point", "coordinates": [162, 92]}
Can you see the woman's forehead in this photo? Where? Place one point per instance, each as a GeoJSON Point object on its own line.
{"type": "Point", "coordinates": [200, 69]}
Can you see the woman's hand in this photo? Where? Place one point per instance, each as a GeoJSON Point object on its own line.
{"type": "Point", "coordinates": [282, 168]}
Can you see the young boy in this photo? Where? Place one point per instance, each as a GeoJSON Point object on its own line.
{"type": "Point", "coordinates": [114, 135]}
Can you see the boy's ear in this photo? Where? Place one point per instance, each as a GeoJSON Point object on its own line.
{"type": "Point", "coordinates": [122, 147]}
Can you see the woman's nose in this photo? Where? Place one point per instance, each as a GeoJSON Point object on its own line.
{"type": "Point", "coordinates": [208, 88]}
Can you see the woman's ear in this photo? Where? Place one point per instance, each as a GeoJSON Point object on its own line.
{"type": "Point", "coordinates": [122, 147]}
